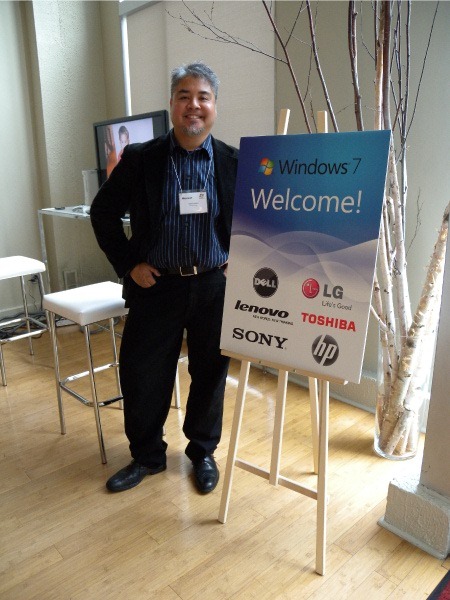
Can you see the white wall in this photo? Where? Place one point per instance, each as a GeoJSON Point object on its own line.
{"type": "Point", "coordinates": [60, 71]}
{"type": "Point", "coordinates": [18, 167]}
{"type": "Point", "coordinates": [158, 42]}
{"type": "Point", "coordinates": [111, 42]}
{"type": "Point", "coordinates": [71, 84]}
{"type": "Point", "coordinates": [148, 59]}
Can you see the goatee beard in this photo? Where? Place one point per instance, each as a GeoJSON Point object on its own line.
{"type": "Point", "coordinates": [193, 131]}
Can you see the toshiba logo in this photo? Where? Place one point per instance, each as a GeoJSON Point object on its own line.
{"type": "Point", "coordinates": [325, 321]}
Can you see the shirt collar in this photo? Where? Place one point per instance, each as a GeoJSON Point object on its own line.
{"type": "Point", "coordinates": [175, 146]}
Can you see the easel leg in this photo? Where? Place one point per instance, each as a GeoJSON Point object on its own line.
{"type": "Point", "coordinates": [234, 437]}
{"type": "Point", "coordinates": [278, 427]}
{"type": "Point", "coordinates": [322, 477]}
{"type": "Point", "coordinates": [314, 403]}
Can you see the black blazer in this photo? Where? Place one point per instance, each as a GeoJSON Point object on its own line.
{"type": "Point", "coordinates": [136, 185]}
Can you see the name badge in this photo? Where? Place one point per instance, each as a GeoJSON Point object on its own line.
{"type": "Point", "coordinates": [193, 202]}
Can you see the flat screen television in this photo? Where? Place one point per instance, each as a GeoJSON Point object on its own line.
{"type": "Point", "coordinates": [111, 137]}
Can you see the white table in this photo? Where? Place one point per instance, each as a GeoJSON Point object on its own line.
{"type": "Point", "coordinates": [80, 211]}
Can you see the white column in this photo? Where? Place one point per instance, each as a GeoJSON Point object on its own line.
{"type": "Point", "coordinates": [418, 508]}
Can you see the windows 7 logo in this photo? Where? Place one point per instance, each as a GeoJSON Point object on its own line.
{"type": "Point", "coordinates": [266, 166]}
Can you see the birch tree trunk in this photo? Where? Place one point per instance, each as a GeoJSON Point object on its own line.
{"type": "Point", "coordinates": [406, 362]}
{"type": "Point", "coordinates": [406, 339]}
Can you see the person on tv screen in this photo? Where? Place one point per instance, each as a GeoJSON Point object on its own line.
{"type": "Point", "coordinates": [124, 140]}
{"type": "Point", "coordinates": [179, 191]}
{"type": "Point", "coordinates": [110, 150]}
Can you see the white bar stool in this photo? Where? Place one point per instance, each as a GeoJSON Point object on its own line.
{"type": "Point", "coordinates": [84, 306]}
{"type": "Point", "coordinates": [21, 266]}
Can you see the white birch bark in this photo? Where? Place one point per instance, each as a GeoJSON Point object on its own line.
{"type": "Point", "coordinates": [401, 407]}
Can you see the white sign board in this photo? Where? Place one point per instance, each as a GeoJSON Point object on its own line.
{"type": "Point", "coordinates": [303, 250]}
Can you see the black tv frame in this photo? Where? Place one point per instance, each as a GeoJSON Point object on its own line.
{"type": "Point", "coordinates": [142, 128]}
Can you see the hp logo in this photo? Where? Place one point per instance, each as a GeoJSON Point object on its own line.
{"type": "Point", "coordinates": [325, 350]}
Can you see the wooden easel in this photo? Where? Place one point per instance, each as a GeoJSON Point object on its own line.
{"type": "Point", "coordinates": [319, 400]}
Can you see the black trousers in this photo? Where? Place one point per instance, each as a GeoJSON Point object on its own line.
{"type": "Point", "coordinates": [150, 349]}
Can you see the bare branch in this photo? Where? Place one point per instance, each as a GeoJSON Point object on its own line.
{"type": "Point", "coordinates": [363, 43]}
{"type": "Point", "coordinates": [419, 206]}
{"type": "Point", "coordinates": [386, 16]}
{"type": "Point", "coordinates": [319, 69]}
{"type": "Point", "coordinates": [379, 320]}
{"type": "Point", "coordinates": [379, 26]}
{"type": "Point", "coordinates": [294, 24]}
{"type": "Point", "coordinates": [217, 35]}
{"type": "Point", "coordinates": [289, 64]}
{"type": "Point", "coordinates": [352, 46]}
{"type": "Point", "coordinates": [423, 68]}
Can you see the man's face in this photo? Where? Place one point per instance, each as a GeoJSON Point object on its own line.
{"type": "Point", "coordinates": [192, 109]}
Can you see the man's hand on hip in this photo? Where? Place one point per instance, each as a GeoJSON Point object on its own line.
{"type": "Point", "coordinates": [144, 275]}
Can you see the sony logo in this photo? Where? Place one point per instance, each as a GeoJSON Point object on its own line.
{"type": "Point", "coordinates": [254, 337]}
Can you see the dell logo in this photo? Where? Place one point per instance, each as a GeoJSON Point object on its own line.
{"type": "Point", "coordinates": [265, 282]}
{"type": "Point", "coordinates": [254, 337]}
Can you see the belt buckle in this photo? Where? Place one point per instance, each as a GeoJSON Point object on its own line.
{"type": "Point", "coordinates": [188, 271]}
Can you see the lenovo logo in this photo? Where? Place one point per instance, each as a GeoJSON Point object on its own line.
{"type": "Point", "coordinates": [262, 310]}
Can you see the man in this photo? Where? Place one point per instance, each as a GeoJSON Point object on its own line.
{"type": "Point", "coordinates": [179, 191]}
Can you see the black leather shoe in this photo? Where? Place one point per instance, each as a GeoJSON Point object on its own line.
{"type": "Point", "coordinates": [206, 474]}
{"type": "Point", "coordinates": [130, 476]}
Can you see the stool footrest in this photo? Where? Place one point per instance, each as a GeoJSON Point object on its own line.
{"type": "Point", "coordinates": [86, 373]}
{"type": "Point", "coordinates": [85, 401]}
{"type": "Point", "coordinates": [21, 336]}
{"type": "Point", "coordinates": [24, 321]}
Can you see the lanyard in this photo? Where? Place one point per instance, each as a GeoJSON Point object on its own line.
{"type": "Point", "coordinates": [178, 179]}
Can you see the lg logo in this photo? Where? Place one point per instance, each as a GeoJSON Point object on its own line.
{"type": "Point", "coordinates": [325, 350]}
{"type": "Point", "coordinates": [265, 282]}
{"type": "Point", "coordinates": [311, 288]}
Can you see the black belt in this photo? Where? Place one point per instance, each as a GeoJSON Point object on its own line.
{"type": "Point", "coordinates": [187, 271]}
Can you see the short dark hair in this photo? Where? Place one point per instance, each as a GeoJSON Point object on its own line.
{"type": "Point", "coordinates": [198, 70]}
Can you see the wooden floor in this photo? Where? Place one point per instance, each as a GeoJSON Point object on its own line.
{"type": "Point", "coordinates": [62, 535]}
